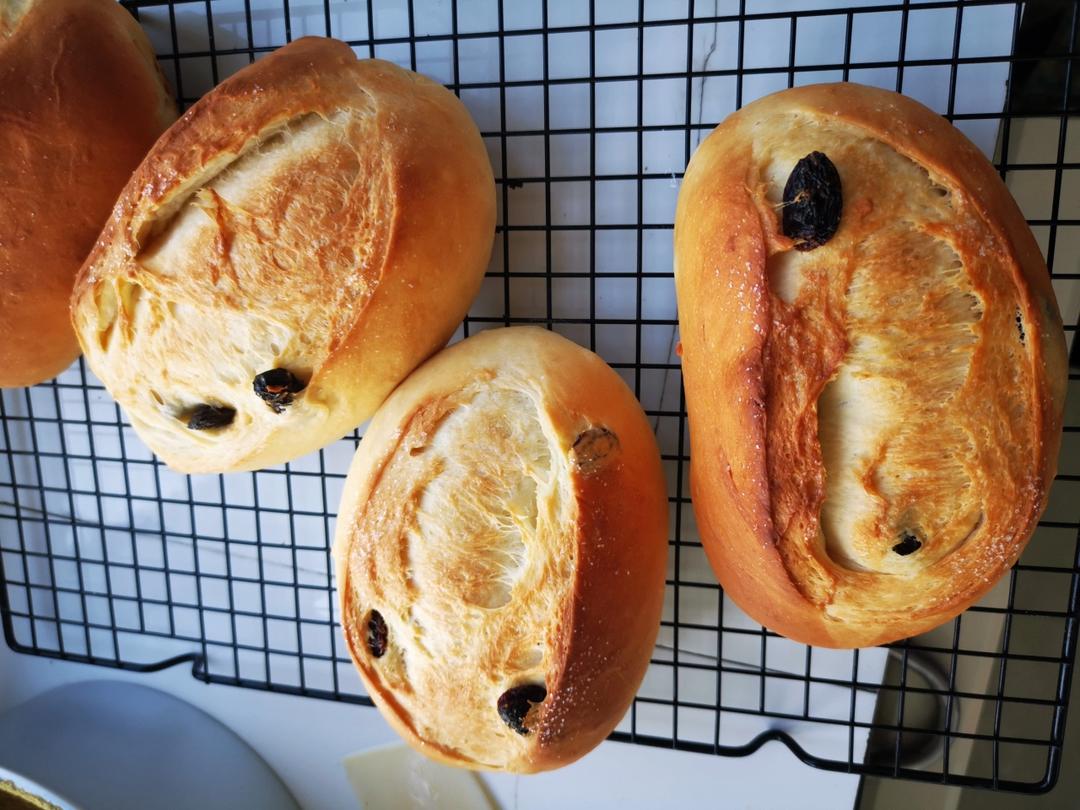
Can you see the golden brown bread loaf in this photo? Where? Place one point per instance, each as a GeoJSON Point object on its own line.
{"type": "Point", "coordinates": [500, 552]}
{"type": "Point", "coordinates": [875, 420]}
{"type": "Point", "coordinates": [301, 239]}
{"type": "Point", "coordinates": [81, 100]}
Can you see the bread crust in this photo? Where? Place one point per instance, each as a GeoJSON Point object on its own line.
{"type": "Point", "coordinates": [331, 216]}
{"type": "Point", "coordinates": [81, 101]}
{"type": "Point", "coordinates": [585, 582]}
{"type": "Point", "coordinates": [760, 353]}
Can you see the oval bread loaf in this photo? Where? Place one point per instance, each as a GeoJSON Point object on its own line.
{"type": "Point", "coordinates": [874, 364]}
{"type": "Point", "coordinates": [81, 101]}
{"type": "Point", "coordinates": [501, 550]}
{"type": "Point", "coordinates": [303, 237]}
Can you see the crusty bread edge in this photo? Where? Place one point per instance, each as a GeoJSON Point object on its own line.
{"type": "Point", "coordinates": [36, 20]}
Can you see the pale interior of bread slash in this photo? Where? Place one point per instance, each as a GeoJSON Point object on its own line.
{"type": "Point", "coordinates": [235, 272]}
{"type": "Point", "coordinates": [900, 493]}
{"type": "Point", "coordinates": [11, 11]}
{"type": "Point", "coordinates": [481, 560]}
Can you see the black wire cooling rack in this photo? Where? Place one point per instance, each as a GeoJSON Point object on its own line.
{"type": "Point", "coordinates": [590, 111]}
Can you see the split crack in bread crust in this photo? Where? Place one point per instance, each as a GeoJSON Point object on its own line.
{"type": "Point", "coordinates": [316, 213]}
{"type": "Point", "coordinates": [81, 101]}
{"type": "Point", "coordinates": [506, 517]}
{"type": "Point", "coordinates": [875, 422]}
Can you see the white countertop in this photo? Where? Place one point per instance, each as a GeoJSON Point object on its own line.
{"type": "Point", "coordinates": [305, 739]}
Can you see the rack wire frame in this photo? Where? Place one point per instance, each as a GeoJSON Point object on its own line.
{"type": "Point", "coordinates": [44, 486]}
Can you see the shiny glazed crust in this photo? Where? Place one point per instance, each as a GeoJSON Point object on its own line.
{"type": "Point", "coordinates": [314, 212]}
{"type": "Point", "coordinates": [901, 386]}
{"type": "Point", "coordinates": [506, 515]}
{"type": "Point", "coordinates": [81, 101]}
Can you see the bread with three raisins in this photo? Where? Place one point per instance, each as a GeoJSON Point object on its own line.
{"type": "Point", "coordinates": [874, 364]}
{"type": "Point", "coordinates": [81, 102]}
{"type": "Point", "coordinates": [301, 239]}
{"type": "Point", "coordinates": [500, 552]}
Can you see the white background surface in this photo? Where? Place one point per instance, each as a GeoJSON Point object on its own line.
{"type": "Point", "coordinates": [304, 740]}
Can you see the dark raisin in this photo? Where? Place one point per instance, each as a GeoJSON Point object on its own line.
{"type": "Point", "coordinates": [210, 417]}
{"type": "Point", "coordinates": [277, 388]}
{"type": "Point", "coordinates": [377, 634]}
{"type": "Point", "coordinates": [812, 202]}
{"type": "Point", "coordinates": [515, 703]}
{"type": "Point", "coordinates": [593, 448]}
{"type": "Point", "coordinates": [1020, 327]}
{"type": "Point", "coordinates": [908, 544]}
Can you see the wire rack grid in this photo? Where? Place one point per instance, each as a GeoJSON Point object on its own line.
{"type": "Point", "coordinates": [590, 112]}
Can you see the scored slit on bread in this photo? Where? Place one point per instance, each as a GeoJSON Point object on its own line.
{"type": "Point", "coordinates": [874, 431]}
{"type": "Point", "coordinates": [316, 218]}
{"type": "Point", "coordinates": [500, 552]}
{"type": "Point", "coordinates": [474, 502]}
{"type": "Point", "coordinates": [898, 316]}
{"type": "Point", "coordinates": [261, 261]}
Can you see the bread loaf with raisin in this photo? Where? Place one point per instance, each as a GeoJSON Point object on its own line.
{"type": "Point", "coordinates": [81, 102]}
{"type": "Point", "coordinates": [301, 239]}
{"type": "Point", "coordinates": [874, 364]}
{"type": "Point", "coordinates": [500, 552]}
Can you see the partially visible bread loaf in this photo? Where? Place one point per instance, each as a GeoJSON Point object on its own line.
{"type": "Point", "coordinates": [500, 552]}
{"type": "Point", "coordinates": [81, 100]}
{"type": "Point", "coordinates": [874, 364]}
{"type": "Point", "coordinates": [301, 239]}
